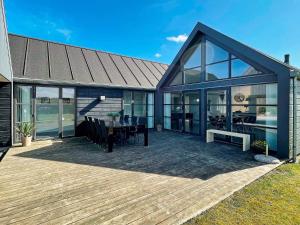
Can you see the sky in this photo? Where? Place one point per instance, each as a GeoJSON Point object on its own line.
{"type": "Point", "coordinates": [155, 30]}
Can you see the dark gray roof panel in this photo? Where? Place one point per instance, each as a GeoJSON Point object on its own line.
{"type": "Point", "coordinates": [127, 74]}
{"type": "Point", "coordinates": [146, 71]}
{"type": "Point", "coordinates": [56, 62]}
{"type": "Point", "coordinates": [164, 66]}
{"type": "Point", "coordinates": [96, 68]}
{"type": "Point", "coordinates": [159, 67]}
{"type": "Point", "coordinates": [137, 72]}
{"type": "Point", "coordinates": [79, 67]}
{"type": "Point", "coordinates": [111, 69]}
{"type": "Point", "coordinates": [18, 51]}
{"type": "Point", "coordinates": [37, 65]}
{"type": "Point", "coordinates": [59, 65]}
{"type": "Point", "coordinates": [152, 68]}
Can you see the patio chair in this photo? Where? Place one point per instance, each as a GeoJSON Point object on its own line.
{"type": "Point", "coordinates": [134, 120]}
{"type": "Point", "coordinates": [126, 119]}
{"type": "Point", "coordinates": [142, 125]}
{"type": "Point", "coordinates": [133, 129]}
{"type": "Point", "coordinates": [99, 132]}
{"type": "Point", "coordinates": [92, 129]}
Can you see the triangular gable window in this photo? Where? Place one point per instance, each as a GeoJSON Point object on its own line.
{"type": "Point", "coordinates": [177, 80]}
{"type": "Point", "coordinates": [192, 57]}
{"type": "Point", "coordinates": [241, 68]}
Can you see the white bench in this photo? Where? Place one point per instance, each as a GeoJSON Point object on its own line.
{"type": "Point", "coordinates": [246, 137]}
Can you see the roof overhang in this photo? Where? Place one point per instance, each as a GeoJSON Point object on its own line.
{"type": "Point", "coordinates": [76, 84]}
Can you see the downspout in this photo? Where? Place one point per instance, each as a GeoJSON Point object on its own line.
{"type": "Point", "coordinates": [295, 75]}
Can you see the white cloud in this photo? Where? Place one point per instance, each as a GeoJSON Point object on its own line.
{"type": "Point", "coordinates": [178, 39]}
{"type": "Point", "coordinates": [65, 32]}
{"type": "Point", "coordinates": [157, 55]}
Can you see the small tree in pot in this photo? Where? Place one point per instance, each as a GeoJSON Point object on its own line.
{"type": "Point", "coordinates": [25, 130]}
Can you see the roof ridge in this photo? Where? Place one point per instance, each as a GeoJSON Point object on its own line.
{"type": "Point", "coordinates": [91, 49]}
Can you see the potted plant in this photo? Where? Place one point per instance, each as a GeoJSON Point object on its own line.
{"type": "Point", "coordinates": [25, 130]}
{"type": "Point", "coordinates": [113, 116]}
{"type": "Point", "coordinates": [259, 146]}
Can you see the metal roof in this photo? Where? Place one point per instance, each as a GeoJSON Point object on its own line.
{"type": "Point", "coordinates": [40, 61]}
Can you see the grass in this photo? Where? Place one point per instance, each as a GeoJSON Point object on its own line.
{"type": "Point", "coordinates": [273, 199]}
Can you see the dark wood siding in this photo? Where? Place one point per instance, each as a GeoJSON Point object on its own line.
{"type": "Point", "coordinates": [88, 103]}
{"type": "Point", "coordinates": [5, 114]}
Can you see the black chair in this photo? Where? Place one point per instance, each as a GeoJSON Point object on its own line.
{"type": "Point", "coordinates": [126, 119]}
{"type": "Point", "coordinates": [104, 132]}
{"type": "Point", "coordinates": [121, 120]}
{"type": "Point", "coordinates": [100, 140]}
{"type": "Point", "coordinates": [92, 129]}
{"type": "Point", "coordinates": [134, 120]}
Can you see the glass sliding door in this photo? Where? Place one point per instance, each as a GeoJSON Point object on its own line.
{"type": "Point", "coordinates": [68, 112]}
{"type": "Point", "coordinates": [23, 106]}
{"type": "Point", "coordinates": [173, 111]}
{"type": "Point", "coordinates": [47, 112]}
{"type": "Point", "coordinates": [191, 112]}
{"type": "Point", "coordinates": [254, 111]}
{"type": "Point", "coordinates": [216, 109]}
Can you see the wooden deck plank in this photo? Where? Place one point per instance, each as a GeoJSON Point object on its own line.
{"type": "Point", "coordinates": [73, 181]}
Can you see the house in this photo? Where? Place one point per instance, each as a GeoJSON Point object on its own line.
{"type": "Point", "coordinates": [214, 82]}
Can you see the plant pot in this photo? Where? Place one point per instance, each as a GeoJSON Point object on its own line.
{"type": "Point", "coordinates": [159, 127]}
{"type": "Point", "coordinates": [26, 141]}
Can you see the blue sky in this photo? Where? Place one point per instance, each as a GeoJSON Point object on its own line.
{"type": "Point", "coordinates": [155, 30]}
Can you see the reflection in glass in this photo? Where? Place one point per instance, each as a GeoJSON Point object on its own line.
{"type": "Point", "coordinates": [240, 68]}
{"type": "Point", "coordinates": [23, 108]}
{"type": "Point", "coordinates": [260, 94]}
{"type": "Point", "coordinates": [47, 110]}
{"type": "Point", "coordinates": [192, 75]}
{"type": "Point", "coordinates": [177, 80]}
{"type": "Point", "coordinates": [214, 53]}
{"type": "Point", "coordinates": [192, 57]}
{"type": "Point", "coordinates": [217, 71]}
{"type": "Point", "coordinates": [254, 112]}
{"type": "Point", "coordinates": [216, 109]}
{"type": "Point", "coordinates": [173, 113]}
{"type": "Point", "coordinates": [68, 114]}
{"type": "Point", "coordinates": [191, 110]}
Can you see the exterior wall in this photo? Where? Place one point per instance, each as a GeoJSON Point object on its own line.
{"type": "Point", "coordinates": [88, 103]}
{"type": "Point", "coordinates": [5, 63]}
{"type": "Point", "coordinates": [291, 118]}
{"type": "Point", "coordinates": [5, 114]}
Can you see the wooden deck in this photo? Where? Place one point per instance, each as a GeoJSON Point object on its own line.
{"type": "Point", "coordinates": [72, 181]}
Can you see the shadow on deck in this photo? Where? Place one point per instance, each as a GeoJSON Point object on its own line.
{"type": "Point", "coordinates": [168, 153]}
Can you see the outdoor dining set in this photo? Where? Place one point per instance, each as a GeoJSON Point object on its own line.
{"type": "Point", "coordinates": [109, 133]}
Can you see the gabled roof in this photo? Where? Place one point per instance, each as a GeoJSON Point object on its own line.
{"type": "Point", "coordinates": [237, 48]}
{"type": "Point", "coordinates": [39, 61]}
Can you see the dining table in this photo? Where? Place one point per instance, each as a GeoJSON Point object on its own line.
{"type": "Point", "coordinates": [114, 128]}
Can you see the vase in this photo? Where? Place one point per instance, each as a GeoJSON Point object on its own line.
{"type": "Point", "coordinates": [26, 141]}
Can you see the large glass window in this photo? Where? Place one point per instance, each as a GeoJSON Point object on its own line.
{"type": "Point", "coordinates": [216, 109]}
{"type": "Point", "coordinates": [47, 112]}
{"type": "Point", "coordinates": [139, 104]}
{"type": "Point", "coordinates": [217, 71]}
{"type": "Point", "coordinates": [23, 95]}
{"type": "Point", "coordinates": [254, 111]}
{"type": "Point", "coordinates": [191, 61]}
{"type": "Point", "coordinates": [191, 112]}
{"type": "Point", "coordinates": [217, 62]}
{"type": "Point", "coordinates": [214, 53]}
{"type": "Point", "coordinates": [173, 112]}
{"type": "Point", "coordinates": [192, 57]}
{"type": "Point", "coordinates": [240, 68]}
{"type": "Point", "coordinates": [68, 114]}
{"type": "Point", "coordinates": [177, 80]}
